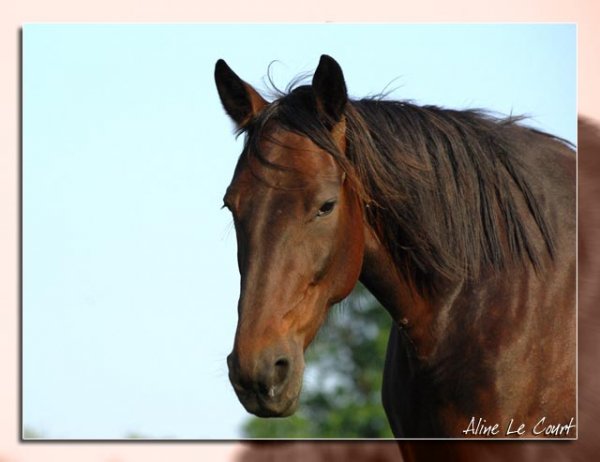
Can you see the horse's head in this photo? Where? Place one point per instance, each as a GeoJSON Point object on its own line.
{"type": "Point", "coordinates": [299, 227]}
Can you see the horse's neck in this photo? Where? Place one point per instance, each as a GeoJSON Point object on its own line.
{"type": "Point", "coordinates": [408, 308]}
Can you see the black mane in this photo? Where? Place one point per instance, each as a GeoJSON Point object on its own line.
{"type": "Point", "coordinates": [447, 191]}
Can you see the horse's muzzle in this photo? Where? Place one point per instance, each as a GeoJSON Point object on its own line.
{"type": "Point", "coordinates": [269, 385]}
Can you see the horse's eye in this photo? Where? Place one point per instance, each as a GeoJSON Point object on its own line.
{"type": "Point", "coordinates": [326, 208]}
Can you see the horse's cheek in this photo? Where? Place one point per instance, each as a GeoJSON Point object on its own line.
{"type": "Point", "coordinates": [347, 261]}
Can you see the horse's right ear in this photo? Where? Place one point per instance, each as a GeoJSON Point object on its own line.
{"type": "Point", "coordinates": [240, 100]}
{"type": "Point", "coordinates": [330, 89]}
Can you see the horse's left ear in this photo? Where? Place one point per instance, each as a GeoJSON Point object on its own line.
{"type": "Point", "coordinates": [330, 89]}
{"type": "Point", "coordinates": [240, 100]}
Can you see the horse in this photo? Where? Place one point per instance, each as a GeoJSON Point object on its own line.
{"type": "Point", "coordinates": [460, 223]}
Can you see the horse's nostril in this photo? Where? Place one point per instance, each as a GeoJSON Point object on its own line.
{"type": "Point", "coordinates": [274, 379]}
{"type": "Point", "coordinates": [282, 368]}
{"type": "Point", "coordinates": [282, 362]}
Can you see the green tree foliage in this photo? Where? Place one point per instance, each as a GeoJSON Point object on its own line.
{"type": "Point", "coordinates": [341, 396]}
{"type": "Point", "coordinates": [30, 433]}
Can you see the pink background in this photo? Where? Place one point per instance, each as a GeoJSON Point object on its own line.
{"type": "Point", "coordinates": [17, 12]}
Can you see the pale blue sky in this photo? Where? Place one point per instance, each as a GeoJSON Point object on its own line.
{"type": "Point", "coordinates": [129, 275]}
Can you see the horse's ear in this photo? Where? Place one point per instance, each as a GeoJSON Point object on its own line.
{"type": "Point", "coordinates": [330, 89]}
{"type": "Point", "coordinates": [240, 100]}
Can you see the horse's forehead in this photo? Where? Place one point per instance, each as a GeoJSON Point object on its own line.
{"type": "Point", "coordinates": [297, 152]}
{"type": "Point", "coordinates": [293, 162]}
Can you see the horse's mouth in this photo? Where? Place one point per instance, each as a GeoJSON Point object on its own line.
{"type": "Point", "coordinates": [269, 392]}
{"type": "Point", "coordinates": [260, 406]}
